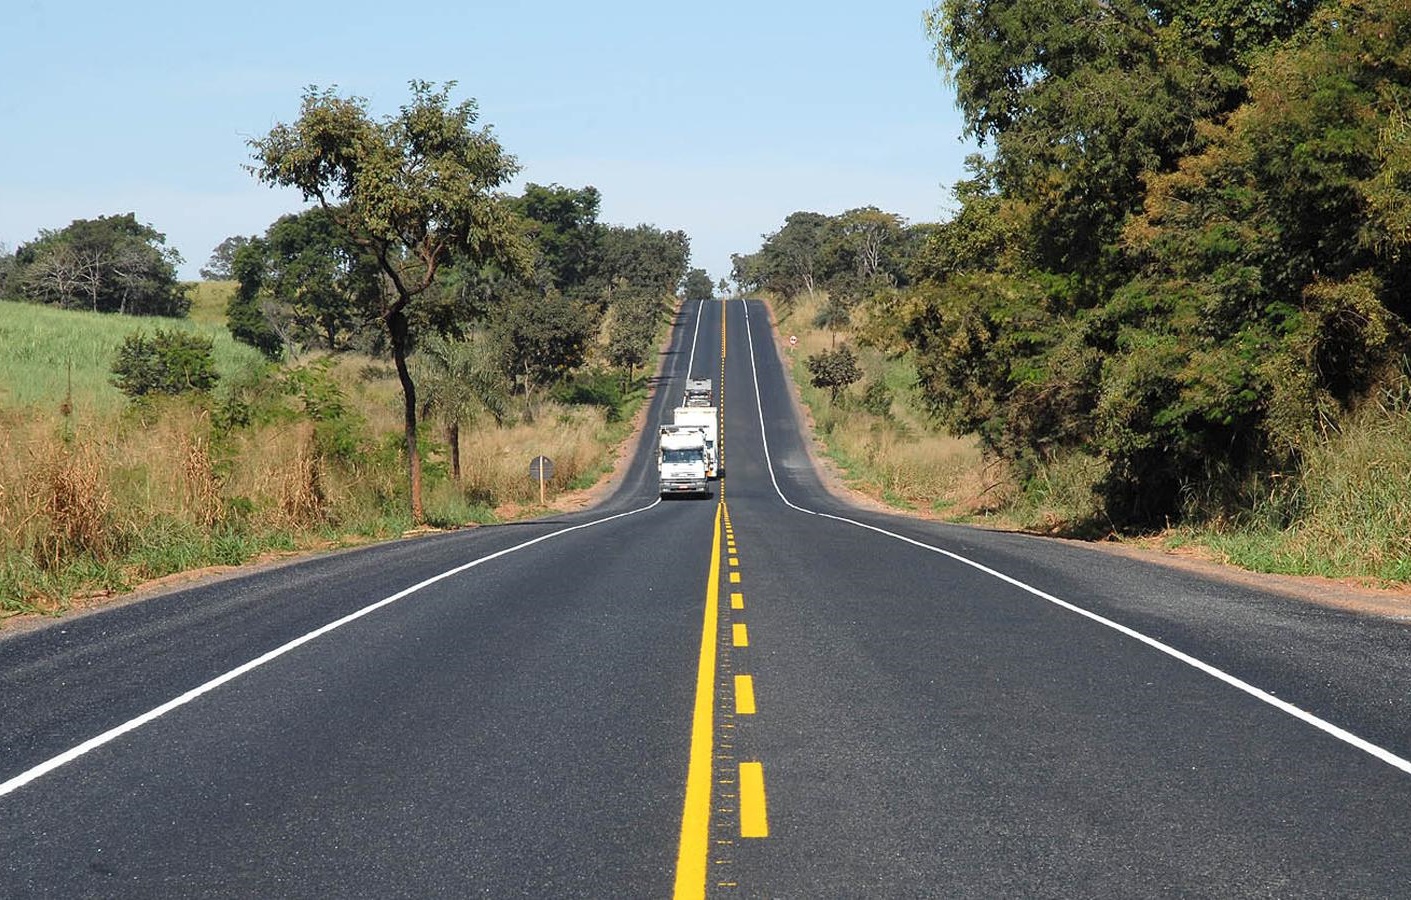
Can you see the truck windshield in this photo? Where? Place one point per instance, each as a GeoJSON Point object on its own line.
{"type": "Point", "coordinates": [680, 456]}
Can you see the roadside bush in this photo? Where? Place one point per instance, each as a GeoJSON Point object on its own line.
{"type": "Point", "coordinates": [834, 370]}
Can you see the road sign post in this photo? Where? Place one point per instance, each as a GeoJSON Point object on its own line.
{"type": "Point", "coordinates": [541, 469]}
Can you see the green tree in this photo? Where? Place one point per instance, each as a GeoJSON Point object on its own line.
{"type": "Point", "coordinates": [645, 257]}
{"type": "Point", "coordinates": [833, 370]}
{"type": "Point", "coordinates": [790, 260]}
{"type": "Point", "coordinates": [564, 231]}
{"type": "Point", "coordinates": [326, 283]}
{"type": "Point", "coordinates": [864, 245]}
{"type": "Point", "coordinates": [541, 338]}
{"type": "Point", "coordinates": [696, 285]}
{"type": "Point", "coordinates": [636, 321]}
{"type": "Point", "coordinates": [245, 315]}
{"type": "Point", "coordinates": [834, 314]}
{"type": "Point", "coordinates": [410, 190]}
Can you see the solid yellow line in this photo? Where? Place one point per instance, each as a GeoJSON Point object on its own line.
{"type": "Point", "coordinates": [737, 600]}
{"type": "Point", "coordinates": [739, 635]}
{"type": "Point", "coordinates": [744, 695]}
{"type": "Point", "coordinates": [754, 819]}
{"type": "Point", "coordinates": [695, 817]}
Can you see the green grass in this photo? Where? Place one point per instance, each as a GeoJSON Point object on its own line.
{"type": "Point", "coordinates": [43, 345]}
{"type": "Point", "coordinates": [208, 301]}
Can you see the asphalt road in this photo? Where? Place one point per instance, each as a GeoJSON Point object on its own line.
{"type": "Point", "coordinates": [782, 696]}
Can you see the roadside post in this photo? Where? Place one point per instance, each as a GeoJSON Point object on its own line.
{"type": "Point", "coordinates": [541, 469]}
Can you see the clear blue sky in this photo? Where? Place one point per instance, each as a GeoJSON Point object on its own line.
{"type": "Point", "coordinates": [717, 118]}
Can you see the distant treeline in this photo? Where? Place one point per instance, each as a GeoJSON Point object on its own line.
{"type": "Point", "coordinates": [1184, 261]}
{"type": "Point", "coordinates": [107, 264]}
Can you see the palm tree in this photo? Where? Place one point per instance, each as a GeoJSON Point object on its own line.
{"type": "Point", "coordinates": [459, 381]}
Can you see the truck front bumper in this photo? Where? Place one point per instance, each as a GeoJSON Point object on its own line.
{"type": "Point", "coordinates": [691, 486]}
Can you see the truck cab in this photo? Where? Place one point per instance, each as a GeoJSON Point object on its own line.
{"type": "Point", "coordinates": [682, 461]}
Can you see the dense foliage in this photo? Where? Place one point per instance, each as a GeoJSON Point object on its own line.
{"type": "Point", "coordinates": [107, 264]}
{"type": "Point", "coordinates": [1185, 256]}
{"type": "Point", "coordinates": [169, 362]}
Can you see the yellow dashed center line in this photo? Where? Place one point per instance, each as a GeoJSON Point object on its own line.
{"type": "Point", "coordinates": [754, 821]}
{"type": "Point", "coordinates": [744, 695]}
{"type": "Point", "coordinates": [739, 635]}
{"type": "Point", "coordinates": [734, 577]}
{"type": "Point", "coordinates": [737, 600]}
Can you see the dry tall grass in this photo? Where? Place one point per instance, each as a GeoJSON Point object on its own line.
{"type": "Point", "coordinates": [899, 458]}
{"type": "Point", "coordinates": [98, 493]}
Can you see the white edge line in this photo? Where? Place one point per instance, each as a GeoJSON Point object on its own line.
{"type": "Point", "coordinates": [112, 734]}
{"type": "Point", "coordinates": [691, 360]}
{"type": "Point", "coordinates": [1263, 696]}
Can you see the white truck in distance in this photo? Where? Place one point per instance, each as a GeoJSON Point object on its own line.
{"type": "Point", "coordinates": [698, 391]}
{"type": "Point", "coordinates": [706, 419]}
{"type": "Point", "coordinates": [681, 460]}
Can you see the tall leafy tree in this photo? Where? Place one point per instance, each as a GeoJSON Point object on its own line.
{"type": "Point", "coordinates": [541, 337]}
{"type": "Point", "coordinates": [245, 313]}
{"type": "Point", "coordinates": [696, 285]}
{"type": "Point", "coordinates": [320, 279]}
{"type": "Point", "coordinates": [790, 261]}
{"type": "Point", "coordinates": [646, 257]}
{"type": "Point", "coordinates": [564, 232]}
{"type": "Point", "coordinates": [221, 265]}
{"type": "Point", "coordinates": [409, 189]}
{"type": "Point", "coordinates": [636, 319]}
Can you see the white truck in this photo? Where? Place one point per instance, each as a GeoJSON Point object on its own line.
{"type": "Point", "coordinates": [681, 460]}
{"type": "Point", "coordinates": [707, 419]}
{"type": "Point", "coordinates": [698, 391]}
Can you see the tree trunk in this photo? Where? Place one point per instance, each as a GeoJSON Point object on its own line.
{"type": "Point", "coordinates": [453, 437]}
{"type": "Point", "coordinates": [397, 331]}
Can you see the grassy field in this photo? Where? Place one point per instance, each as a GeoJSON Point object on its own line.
{"type": "Point", "coordinates": [49, 349]}
{"type": "Point", "coordinates": [103, 494]}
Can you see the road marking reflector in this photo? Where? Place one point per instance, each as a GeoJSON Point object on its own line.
{"type": "Point", "coordinates": [754, 820]}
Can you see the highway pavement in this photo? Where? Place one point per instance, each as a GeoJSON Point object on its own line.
{"type": "Point", "coordinates": [767, 693]}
